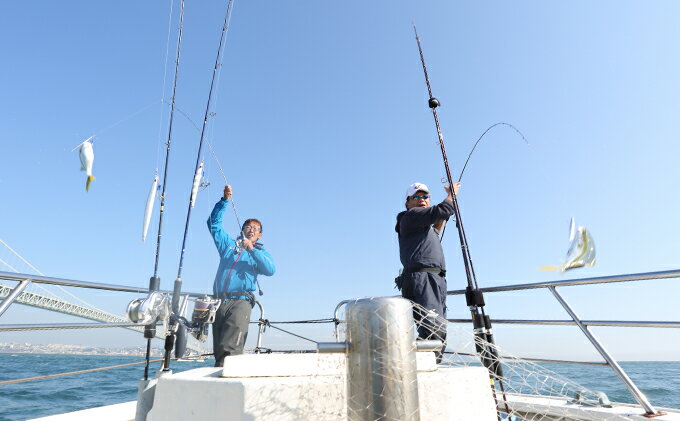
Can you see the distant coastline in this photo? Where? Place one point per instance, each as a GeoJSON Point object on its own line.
{"type": "Point", "coordinates": [27, 348]}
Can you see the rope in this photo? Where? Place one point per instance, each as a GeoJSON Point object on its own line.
{"type": "Point", "coordinates": [306, 321]}
{"type": "Point", "coordinates": [267, 323]}
{"type": "Point", "coordinates": [91, 370]}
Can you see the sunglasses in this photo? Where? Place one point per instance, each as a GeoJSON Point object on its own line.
{"type": "Point", "coordinates": [422, 196]}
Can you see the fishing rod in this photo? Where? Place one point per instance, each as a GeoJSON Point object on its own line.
{"type": "Point", "coordinates": [155, 280]}
{"type": "Point", "coordinates": [484, 343]}
{"type": "Point", "coordinates": [169, 343]}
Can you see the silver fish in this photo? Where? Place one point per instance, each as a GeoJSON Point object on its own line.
{"type": "Point", "coordinates": [86, 161]}
{"type": "Point", "coordinates": [581, 250]}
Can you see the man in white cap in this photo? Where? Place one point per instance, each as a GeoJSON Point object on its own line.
{"type": "Point", "coordinates": [423, 277]}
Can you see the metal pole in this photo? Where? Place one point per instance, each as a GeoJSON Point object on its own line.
{"type": "Point", "coordinates": [608, 323]}
{"type": "Point", "coordinates": [60, 326]}
{"type": "Point", "coordinates": [382, 379]}
{"type": "Point", "coordinates": [260, 327]}
{"type": "Point", "coordinates": [335, 317]}
{"type": "Point", "coordinates": [12, 296]}
{"type": "Point", "coordinates": [632, 388]}
{"type": "Point", "coordinates": [583, 281]}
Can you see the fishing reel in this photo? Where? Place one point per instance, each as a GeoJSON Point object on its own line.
{"type": "Point", "coordinates": [150, 309]}
{"type": "Point", "coordinates": [203, 315]}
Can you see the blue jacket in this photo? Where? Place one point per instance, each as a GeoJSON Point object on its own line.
{"type": "Point", "coordinates": [242, 270]}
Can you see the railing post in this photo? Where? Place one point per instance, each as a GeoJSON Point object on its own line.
{"type": "Point", "coordinates": [335, 318]}
{"type": "Point", "coordinates": [260, 327]}
{"type": "Point", "coordinates": [632, 388]}
{"type": "Point", "coordinates": [13, 295]}
{"type": "Point", "coordinates": [381, 363]}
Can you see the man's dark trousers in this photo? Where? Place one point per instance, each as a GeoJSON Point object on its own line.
{"type": "Point", "coordinates": [230, 329]}
{"type": "Point", "coordinates": [428, 290]}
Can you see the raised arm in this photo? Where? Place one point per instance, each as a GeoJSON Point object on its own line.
{"type": "Point", "coordinates": [456, 186]}
{"type": "Point", "coordinates": [222, 240]}
{"type": "Point", "coordinates": [417, 219]}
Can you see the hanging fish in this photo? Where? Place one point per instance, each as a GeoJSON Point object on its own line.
{"type": "Point", "coordinates": [581, 250]}
{"type": "Point", "coordinates": [197, 183]}
{"type": "Point", "coordinates": [150, 200]}
{"type": "Point", "coordinates": [86, 160]}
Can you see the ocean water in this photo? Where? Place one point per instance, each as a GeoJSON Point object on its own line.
{"type": "Point", "coordinates": [660, 381]}
{"type": "Point", "coordinates": [71, 393]}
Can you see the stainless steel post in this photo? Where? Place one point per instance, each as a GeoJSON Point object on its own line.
{"type": "Point", "coordinates": [14, 295]}
{"type": "Point", "coordinates": [381, 365]}
{"type": "Point", "coordinates": [335, 317]}
{"type": "Point", "coordinates": [260, 327]}
{"type": "Point", "coordinates": [632, 388]}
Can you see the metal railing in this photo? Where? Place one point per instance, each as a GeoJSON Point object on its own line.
{"type": "Point", "coordinates": [26, 279]}
{"type": "Point", "coordinates": [583, 325]}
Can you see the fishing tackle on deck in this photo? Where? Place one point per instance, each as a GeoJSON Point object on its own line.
{"type": "Point", "coordinates": [150, 200]}
{"type": "Point", "coordinates": [86, 161]}
{"type": "Point", "coordinates": [197, 184]}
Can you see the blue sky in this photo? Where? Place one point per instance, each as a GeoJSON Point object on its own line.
{"type": "Point", "coordinates": [322, 122]}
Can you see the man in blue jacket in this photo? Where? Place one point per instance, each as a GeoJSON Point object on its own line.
{"type": "Point", "coordinates": [241, 261]}
{"type": "Point", "coordinates": [423, 277]}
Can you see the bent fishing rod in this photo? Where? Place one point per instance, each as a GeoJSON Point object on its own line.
{"type": "Point", "coordinates": [486, 348]}
{"type": "Point", "coordinates": [174, 321]}
{"type": "Point", "coordinates": [155, 281]}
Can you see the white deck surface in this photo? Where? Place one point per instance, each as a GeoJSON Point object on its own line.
{"type": "Point", "coordinates": [119, 412]}
{"type": "Point", "coordinates": [309, 387]}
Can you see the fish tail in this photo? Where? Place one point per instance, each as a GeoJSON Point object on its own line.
{"type": "Point", "coordinates": [548, 268]}
{"type": "Point", "coordinates": [90, 178]}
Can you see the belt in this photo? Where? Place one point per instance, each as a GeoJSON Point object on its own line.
{"type": "Point", "coordinates": [237, 295]}
{"type": "Point", "coordinates": [438, 271]}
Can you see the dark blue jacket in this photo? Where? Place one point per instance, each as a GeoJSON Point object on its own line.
{"type": "Point", "coordinates": [419, 245]}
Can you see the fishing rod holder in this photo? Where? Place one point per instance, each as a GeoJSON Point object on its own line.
{"type": "Point", "coordinates": [474, 297]}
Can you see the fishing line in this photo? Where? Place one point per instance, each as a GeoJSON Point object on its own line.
{"type": "Point", "coordinates": [211, 136]}
{"type": "Point", "coordinates": [441, 237]}
{"type": "Point", "coordinates": [165, 74]}
{"type": "Point", "coordinates": [178, 281]}
{"type": "Point", "coordinates": [99, 132]}
{"type": "Point", "coordinates": [485, 347]}
{"type": "Point", "coordinates": [219, 165]}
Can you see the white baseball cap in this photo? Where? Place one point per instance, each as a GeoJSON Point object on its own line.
{"type": "Point", "coordinates": [413, 188]}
